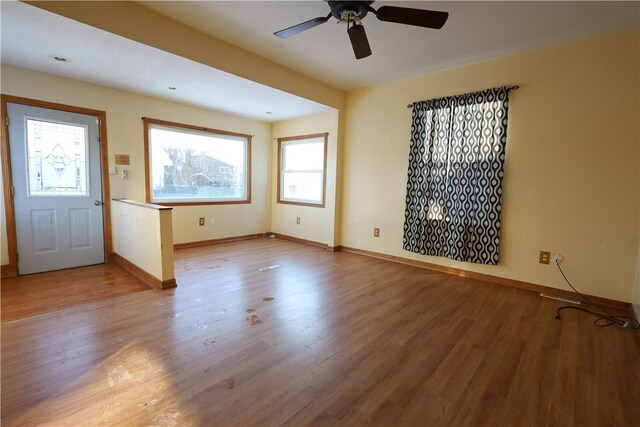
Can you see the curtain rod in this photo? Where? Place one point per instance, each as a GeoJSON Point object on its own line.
{"type": "Point", "coordinates": [514, 87]}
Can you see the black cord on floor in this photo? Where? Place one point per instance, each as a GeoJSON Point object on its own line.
{"type": "Point", "coordinates": [602, 320]}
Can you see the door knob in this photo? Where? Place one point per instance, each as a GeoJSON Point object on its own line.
{"type": "Point", "coordinates": [97, 203]}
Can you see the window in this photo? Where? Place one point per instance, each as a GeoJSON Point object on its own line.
{"type": "Point", "coordinates": [191, 165]}
{"type": "Point", "coordinates": [302, 161]}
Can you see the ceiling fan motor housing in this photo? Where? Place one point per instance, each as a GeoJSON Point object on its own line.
{"type": "Point", "coordinates": [360, 8]}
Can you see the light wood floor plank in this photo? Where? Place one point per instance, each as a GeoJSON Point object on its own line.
{"type": "Point", "coordinates": [328, 338]}
{"type": "Point", "coordinates": [37, 294]}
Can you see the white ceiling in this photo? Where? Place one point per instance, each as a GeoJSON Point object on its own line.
{"type": "Point", "coordinates": [475, 31]}
{"type": "Point", "coordinates": [31, 37]}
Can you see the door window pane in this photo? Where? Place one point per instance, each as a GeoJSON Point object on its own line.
{"type": "Point", "coordinates": [56, 159]}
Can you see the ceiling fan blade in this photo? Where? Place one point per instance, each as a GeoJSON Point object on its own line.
{"type": "Point", "coordinates": [418, 17]}
{"type": "Point", "coordinates": [359, 41]}
{"type": "Point", "coordinates": [292, 31]}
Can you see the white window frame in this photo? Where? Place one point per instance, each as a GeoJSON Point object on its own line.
{"type": "Point", "coordinates": [300, 140]}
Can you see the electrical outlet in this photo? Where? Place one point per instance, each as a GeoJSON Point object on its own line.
{"type": "Point", "coordinates": [298, 220]}
{"type": "Point", "coordinates": [544, 257]}
{"type": "Point", "coordinates": [557, 259]}
{"type": "Point", "coordinates": [376, 232]}
{"type": "Point", "coordinates": [201, 221]}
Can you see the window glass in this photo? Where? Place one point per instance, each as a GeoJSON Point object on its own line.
{"type": "Point", "coordinates": [191, 166]}
{"type": "Point", "coordinates": [57, 159]}
{"type": "Point", "coordinates": [302, 169]}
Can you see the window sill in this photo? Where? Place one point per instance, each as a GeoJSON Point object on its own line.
{"type": "Point", "coordinates": [308, 204]}
{"type": "Point", "coordinates": [196, 203]}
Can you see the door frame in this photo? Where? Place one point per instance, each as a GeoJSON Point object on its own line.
{"type": "Point", "coordinates": [11, 269]}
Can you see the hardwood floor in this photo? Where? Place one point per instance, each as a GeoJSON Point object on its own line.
{"type": "Point", "coordinates": [328, 338]}
{"type": "Point", "coordinates": [35, 294]}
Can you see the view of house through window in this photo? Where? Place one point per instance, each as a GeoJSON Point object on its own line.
{"type": "Point", "coordinates": [302, 164]}
{"type": "Point", "coordinates": [189, 165]}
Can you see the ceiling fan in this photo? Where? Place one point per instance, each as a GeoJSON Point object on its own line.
{"type": "Point", "coordinates": [352, 12]}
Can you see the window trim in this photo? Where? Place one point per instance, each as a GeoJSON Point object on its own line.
{"type": "Point", "coordinates": [147, 166]}
{"type": "Point", "coordinates": [325, 136]}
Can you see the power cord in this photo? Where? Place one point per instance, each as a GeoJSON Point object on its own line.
{"type": "Point", "coordinates": [602, 320]}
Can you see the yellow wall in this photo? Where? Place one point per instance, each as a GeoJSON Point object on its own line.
{"type": "Point", "coordinates": [316, 224]}
{"type": "Point", "coordinates": [142, 236]}
{"type": "Point", "coordinates": [125, 136]}
{"type": "Point", "coordinates": [572, 169]}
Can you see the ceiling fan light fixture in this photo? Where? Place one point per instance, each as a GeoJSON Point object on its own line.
{"type": "Point", "coordinates": [359, 41]}
{"type": "Point", "coordinates": [349, 16]}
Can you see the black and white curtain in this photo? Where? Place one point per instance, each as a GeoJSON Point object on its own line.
{"type": "Point", "coordinates": [454, 186]}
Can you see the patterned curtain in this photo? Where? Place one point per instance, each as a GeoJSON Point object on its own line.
{"type": "Point", "coordinates": [454, 186]}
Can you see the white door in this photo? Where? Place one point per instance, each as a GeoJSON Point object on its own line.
{"type": "Point", "coordinates": [57, 187]}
